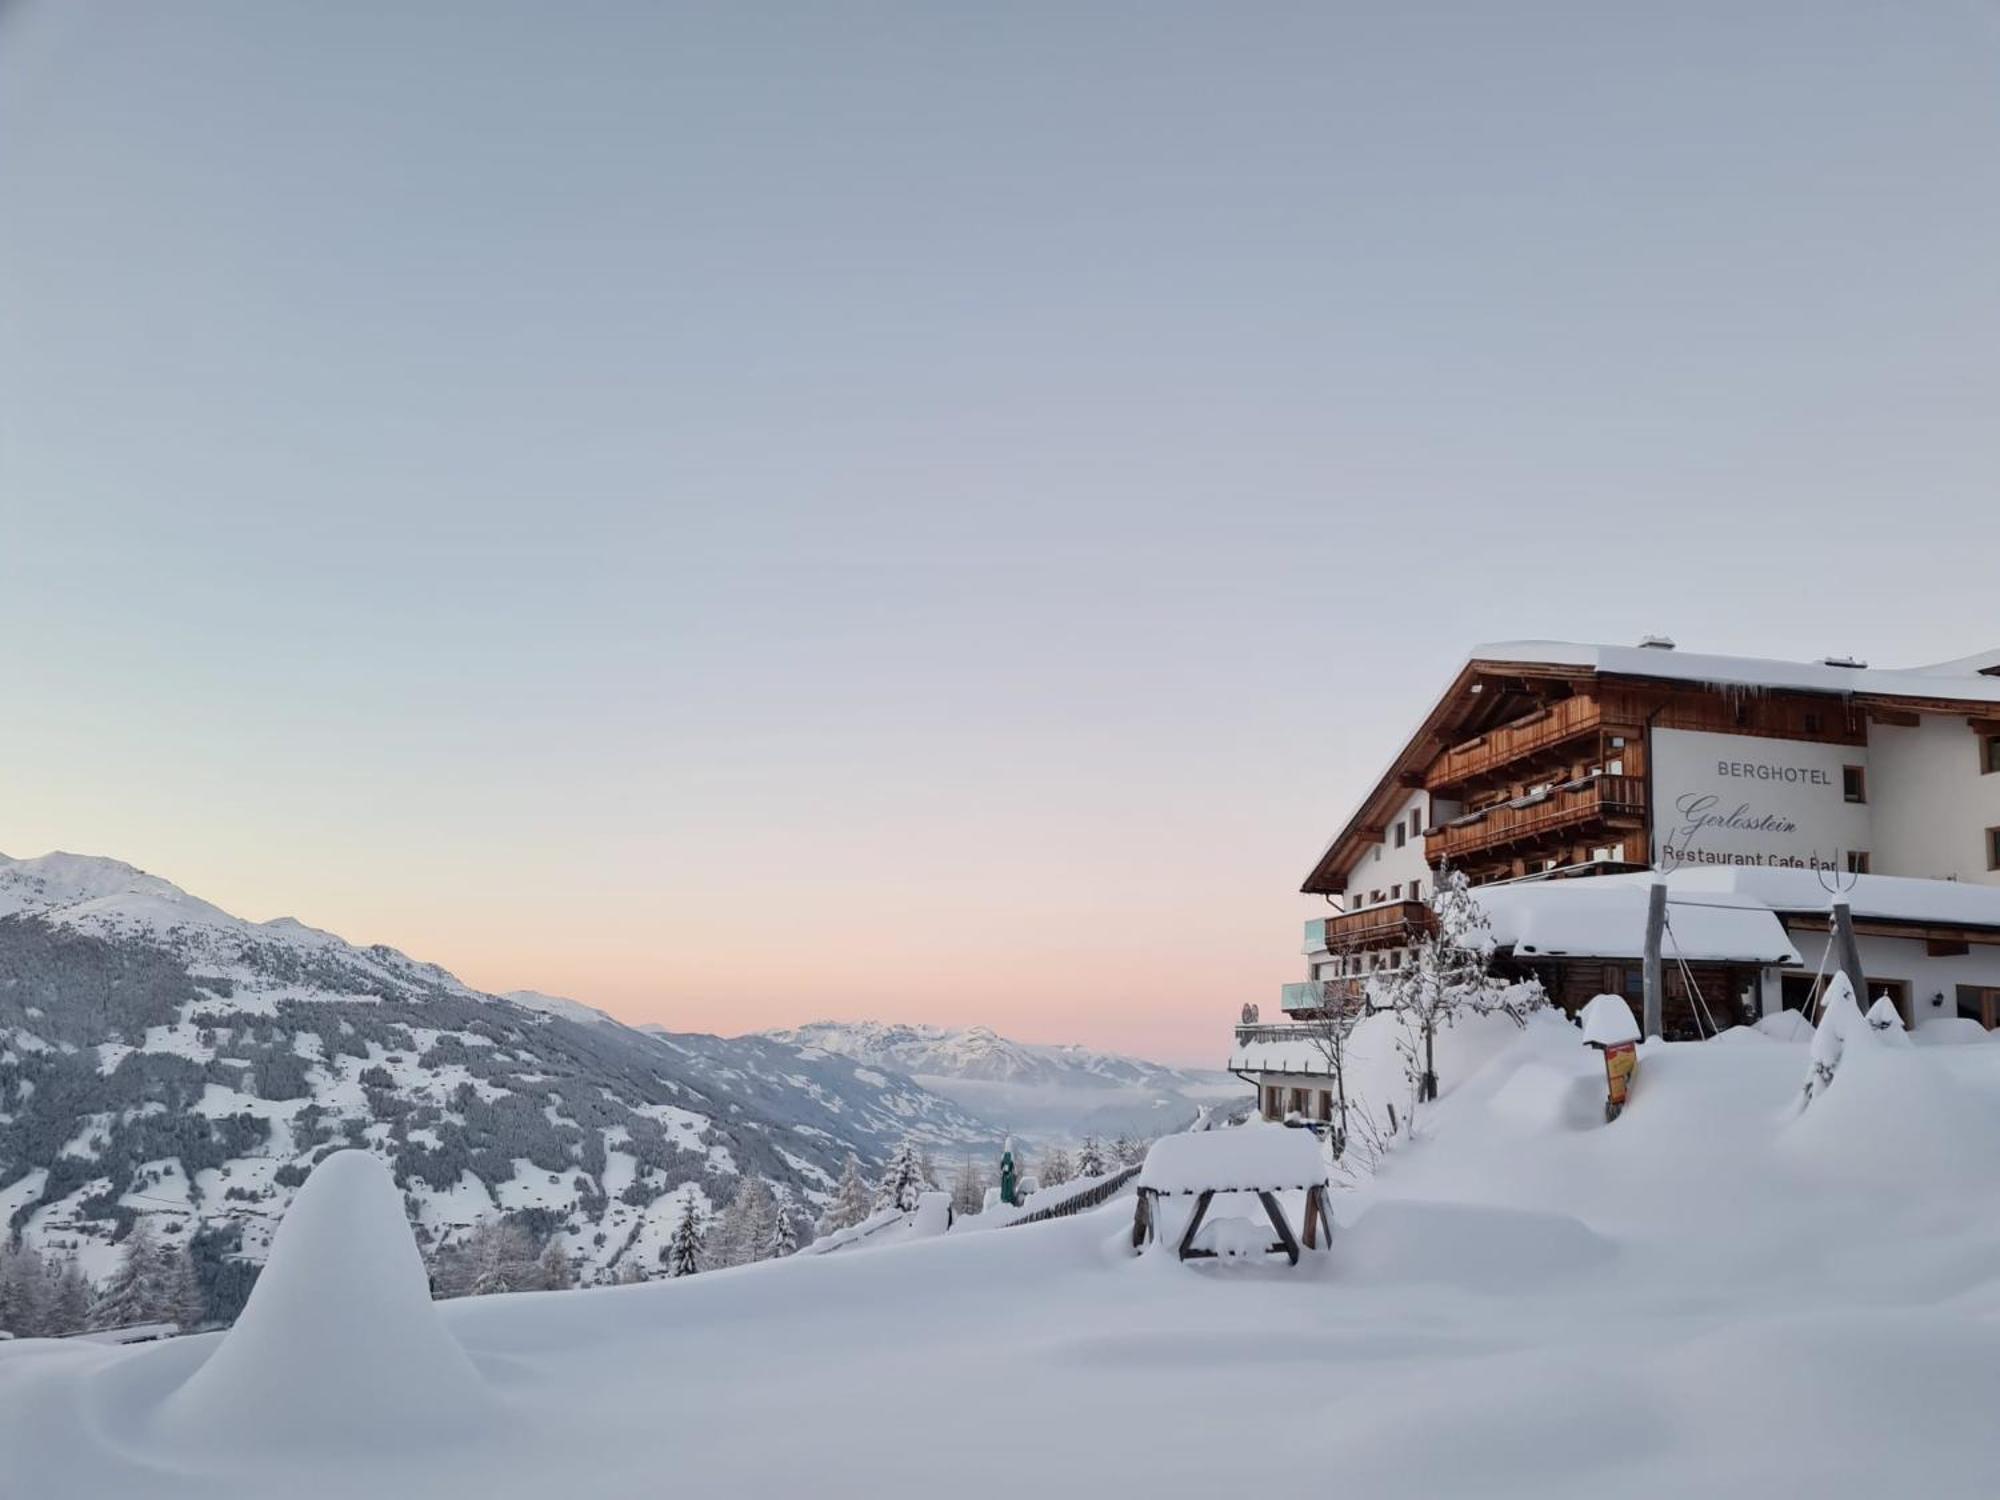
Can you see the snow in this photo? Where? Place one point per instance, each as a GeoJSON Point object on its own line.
{"type": "Point", "coordinates": [1894, 898]}
{"type": "Point", "coordinates": [340, 1337]}
{"type": "Point", "coordinates": [1707, 1297]}
{"type": "Point", "coordinates": [1715, 1295]}
{"type": "Point", "coordinates": [1606, 918]}
{"type": "Point", "coordinates": [1242, 1159]}
{"type": "Point", "coordinates": [1955, 680]}
{"type": "Point", "coordinates": [1607, 1021]}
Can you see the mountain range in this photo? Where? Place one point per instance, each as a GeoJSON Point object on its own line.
{"type": "Point", "coordinates": [1027, 1089]}
{"type": "Point", "coordinates": [162, 1057]}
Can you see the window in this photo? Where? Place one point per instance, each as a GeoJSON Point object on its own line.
{"type": "Point", "coordinates": [1993, 848]}
{"type": "Point", "coordinates": [1416, 890]}
{"type": "Point", "coordinates": [1402, 834]}
{"type": "Point", "coordinates": [1417, 813]}
{"type": "Point", "coordinates": [1813, 724]}
{"type": "Point", "coordinates": [1396, 892]}
{"type": "Point", "coordinates": [1990, 760]}
{"type": "Point", "coordinates": [1857, 861]}
{"type": "Point", "coordinates": [1374, 898]}
{"type": "Point", "coordinates": [1854, 783]}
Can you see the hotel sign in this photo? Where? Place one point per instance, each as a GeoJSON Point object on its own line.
{"type": "Point", "coordinates": [1731, 799]}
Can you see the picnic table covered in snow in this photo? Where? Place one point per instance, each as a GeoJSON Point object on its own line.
{"type": "Point", "coordinates": [1261, 1159]}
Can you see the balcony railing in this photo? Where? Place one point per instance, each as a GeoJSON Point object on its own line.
{"type": "Point", "coordinates": [1389, 925]}
{"type": "Point", "coordinates": [1322, 994]}
{"type": "Point", "coordinates": [1619, 800]}
{"type": "Point", "coordinates": [1572, 718]}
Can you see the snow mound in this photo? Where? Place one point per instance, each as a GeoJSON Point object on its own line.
{"type": "Point", "coordinates": [1898, 1117]}
{"type": "Point", "coordinates": [1607, 1021]}
{"type": "Point", "coordinates": [1785, 1026]}
{"type": "Point", "coordinates": [1470, 1246]}
{"type": "Point", "coordinates": [1951, 1031]}
{"type": "Point", "coordinates": [1540, 1097]}
{"type": "Point", "coordinates": [340, 1342]}
{"type": "Point", "coordinates": [1245, 1158]}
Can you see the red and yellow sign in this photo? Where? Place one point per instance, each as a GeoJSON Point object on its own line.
{"type": "Point", "coordinates": [1621, 1061]}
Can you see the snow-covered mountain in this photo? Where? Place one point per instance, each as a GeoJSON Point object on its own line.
{"type": "Point", "coordinates": [1034, 1090]}
{"type": "Point", "coordinates": [160, 1056]}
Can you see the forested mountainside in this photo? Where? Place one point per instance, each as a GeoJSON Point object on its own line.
{"type": "Point", "coordinates": [161, 1058]}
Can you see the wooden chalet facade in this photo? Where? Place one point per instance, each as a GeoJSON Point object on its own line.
{"type": "Point", "coordinates": [1547, 762]}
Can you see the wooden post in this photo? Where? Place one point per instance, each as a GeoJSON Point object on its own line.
{"type": "Point", "coordinates": [1194, 1221]}
{"type": "Point", "coordinates": [1287, 1241]}
{"type": "Point", "coordinates": [1848, 951]}
{"type": "Point", "coordinates": [1656, 979]}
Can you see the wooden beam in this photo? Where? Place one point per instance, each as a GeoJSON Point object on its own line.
{"type": "Point", "coordinates": [1276, 1211]}
{"type": "Point", "coordinates": [1902, 718]}
{"type": "Point", "coordinates": [1207, 1197]}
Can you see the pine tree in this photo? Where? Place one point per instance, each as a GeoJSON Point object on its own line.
{"type": "Point", "coordinates": [744, 1232]}
{"type": "Point", "coordinates": [1090, 1158]}
{"type": "Point", "coordinates": [26, 1294]}
{"type": "Point", "coordinates": [136, 1292]}
{"type": "Point", "coordinates": [185, 1305]}
{"type": "Point", "coordinates": [69, 1304]}
{"type": "Point", "coordinates": [902, 1182]}
{"type": "Point", "coordinates": [1126, 1152]}
{"type": "Point", "coordinates": [685, 1250]}
{"type": "Point", "coordinates": [850, 1200]}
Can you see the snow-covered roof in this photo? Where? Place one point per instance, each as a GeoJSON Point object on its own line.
{"type": "Point", "coordinates": [1607, 1021]}
{"type": "Point", "coordinates": [1888, 898]}
{"type": "Point", "coordinates": [1605, 917]}
{"type": "Point", "coordinates": [1958, 680]}
{"type": "Point", "coordinates": [1244, 1158]}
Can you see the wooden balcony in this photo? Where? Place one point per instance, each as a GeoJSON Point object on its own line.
{"type": "Point", "coordinates": [1616, 802]}
{"type": "Point", "coordinates": [1499, 749]}
{"type": "Point", "coordinates": [1387, 926]}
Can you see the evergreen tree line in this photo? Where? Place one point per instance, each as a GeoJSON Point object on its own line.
{"type": "Point", "coordinates": [754, 1225]}
{"type": "Point", "coordinates": [46, 1296]}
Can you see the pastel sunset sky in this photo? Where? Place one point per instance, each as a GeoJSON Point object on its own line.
{"type": "Point", "coordinates": [742, 514]}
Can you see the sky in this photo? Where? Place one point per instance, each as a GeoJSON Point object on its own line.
{"type": "Point", "coordinates": [746, 514]}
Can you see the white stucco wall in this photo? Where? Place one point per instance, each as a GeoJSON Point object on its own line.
{"type": "Point", "coordinates": [1932, 804]}
{"type": "Point", "coordinates": [1385, 866]}
{"type": "Point", "coordinates": [1905, 959]}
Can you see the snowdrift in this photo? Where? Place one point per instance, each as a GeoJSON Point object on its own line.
{"type": "Point", "coordinates": [1716, 1294]}
{"type": "Point", "coordinates": [340, 1342]}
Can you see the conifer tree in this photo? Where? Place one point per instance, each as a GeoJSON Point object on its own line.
{"type": "Point", "coordinates": [26, 1294]}
{"type": "Point", "coordinates": [69, 1304]}
{"type": "Point", "coordinates": [850, 1199]}
{"type": "Point", "coordinates": [185, 1305]}
{"type": "Point", "coordinates": [1090, 1158]}
{"type": "Point", "coordinates": [903, 1181]}
{"type": "Point", "coordinates": [136, 1291]}
{"type": "Point", "coordinates": [685, 1250]}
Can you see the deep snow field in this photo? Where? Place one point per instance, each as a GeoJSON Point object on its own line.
{"type": "Point", "coordinates": [1712, 1296]}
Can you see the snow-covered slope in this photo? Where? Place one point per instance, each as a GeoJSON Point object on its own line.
{"type": "Point", "coordinates": [160, 1056]}
{"type": "Point", "coordinates": [1058, 1092]}
{"type": "Point", "coordinates": [1712, 1296]}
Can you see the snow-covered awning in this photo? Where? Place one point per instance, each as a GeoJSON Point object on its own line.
{"type": "Point", "coordinates": [1882, 898]}
{"type": "Point", "coordinates": [1605, 917]}
{"type": "Point", "coordinates": [1242, 1159]}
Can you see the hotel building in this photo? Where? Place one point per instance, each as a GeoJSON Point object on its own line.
{"type": "Point", "coordinates": [1548, 770]}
